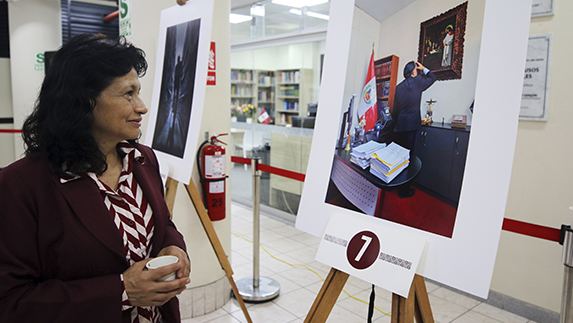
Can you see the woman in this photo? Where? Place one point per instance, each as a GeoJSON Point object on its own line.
{"type": "Point", "coordinates": [83, 212]}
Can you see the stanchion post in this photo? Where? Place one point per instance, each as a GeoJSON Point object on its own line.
{"type": "Point", "coordinates": [256, 218]}
{"type": "Point", "coordinates": [566, 240]}
{"type": "Point", "coordinates": [257, 289]}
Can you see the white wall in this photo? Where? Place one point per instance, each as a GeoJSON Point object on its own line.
{"type": "Point", "coordinates": [400, 36]}
{"type": "Point", "coordinates": [145, 24]}
{"type": "Point", "coordinates": [364, 38]}
{"type": "Point", "coordinates": [530, 269]}
{"type": "Point", "coordinates": [35, 26]}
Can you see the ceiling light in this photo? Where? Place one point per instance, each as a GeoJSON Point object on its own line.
{"type": "Point", "coordinates": [295, 11]}
{"type": "Point", "coordinates": [258, 10]}
{"type": "Point", "coordinates": [317, 15]}
{"type": "Point", "coordinates": [310, 14]}
{"type": "Point", "coordinates": [299, 3]}
{"type": "Point", "coordinates": [237, 19]}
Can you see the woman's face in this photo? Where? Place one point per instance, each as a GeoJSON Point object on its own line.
{"type": "Point", "coordinates": [118, 111]}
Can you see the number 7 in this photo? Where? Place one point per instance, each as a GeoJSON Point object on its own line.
{"type": "Point", "coordinates": [367, 240]}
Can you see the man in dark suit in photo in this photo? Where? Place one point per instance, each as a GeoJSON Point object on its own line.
{"type": "Point", "coordinates": [406, 109]}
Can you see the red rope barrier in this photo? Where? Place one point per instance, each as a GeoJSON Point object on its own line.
{"type": "Point", "coordinates": [532, 230]}
{"type": "Point", "coordinates": [240, 160]}
{"type": "Point", "coordinates": [282, 172]}
{"type": "Point", "coordinates": [10, 131]}
{"type": "Point", "coordinates": [270, 169]}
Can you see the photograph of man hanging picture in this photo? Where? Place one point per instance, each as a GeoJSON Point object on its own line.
{"type": "Point", "coordinates": [360, 160]}
{"type": "Point", "coordinates": [392, 163]}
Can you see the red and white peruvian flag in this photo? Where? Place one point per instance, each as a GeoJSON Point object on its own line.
{"type": "Point", "coordinates": [264, 117]}
{"type": "Point", "coordinates": [367, 106]}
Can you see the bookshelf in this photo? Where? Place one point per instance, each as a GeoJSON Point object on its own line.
{"type": "Point", "coordinates": [266, 86]}
{"type": "Point", "coordinates": [242, 87]}
{"type": "Point", "coordinates": [293, 92]}
{"type": "Point", "coordinates": [386, 69]}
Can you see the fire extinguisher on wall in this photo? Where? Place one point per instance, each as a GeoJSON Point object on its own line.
{"type": "Point", "coordinates": [212, 169]}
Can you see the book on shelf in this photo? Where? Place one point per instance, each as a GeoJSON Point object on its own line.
{"type": "Point", "coordinates": [266, 96]}
{"type": "Point", "coordinates": [241, 90]}
{"type": "Point", "coordinates": [290, 106]}
{"type": "Point", "coordinates": [383, 70]}
{"type": "Point", "coordinates": [289, 90]}
{"type": "Point", "coordinates": [266, 78]}
{"type": "Point", "coordinates": [241, 75]}
{"type": "Point", "coordinates": [459, 120]}
{"type": "Point", "coordinates": [290, 76]}
{"type": "Point", "coordinates": [383, 88]}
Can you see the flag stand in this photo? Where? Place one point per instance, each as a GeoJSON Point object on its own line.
{"type": "Point", "coordinates": [404, 310]}
{"type": "Point", "coordinates": [170, 191]}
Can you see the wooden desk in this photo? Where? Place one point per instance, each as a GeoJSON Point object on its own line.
{"type": "Point", "coordinates": [361, 188]}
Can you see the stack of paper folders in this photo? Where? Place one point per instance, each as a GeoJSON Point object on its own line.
{"type": "Point", "coordinates": [389, 162]}
{"type": "Point", "coordinates": [361, 155]}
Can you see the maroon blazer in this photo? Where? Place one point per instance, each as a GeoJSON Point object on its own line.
{"type": "Point", "coordinates": [61, 255]}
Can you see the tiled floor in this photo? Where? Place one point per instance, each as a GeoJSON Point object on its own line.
{"type": "Point", "coordinates": [300, 285]}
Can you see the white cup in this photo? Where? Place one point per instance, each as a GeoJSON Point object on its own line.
{"type": "Point", "coordinates": [160, 262]}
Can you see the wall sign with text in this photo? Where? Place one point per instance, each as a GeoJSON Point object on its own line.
{"type": "Point", "coordinates": [541, 8]}
{"type": "Point", "coordinates": [535, 95]}
{"type": "Point", "coordinates": [125, 18]}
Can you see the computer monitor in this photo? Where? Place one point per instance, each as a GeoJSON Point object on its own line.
{"type": "Point", "coordinates": [302, 122]}
{"type": "Point", "coordinates": [311, 110]}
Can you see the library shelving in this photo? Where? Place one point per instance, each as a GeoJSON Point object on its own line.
{"type": "Point", "coordinates": [293, 92]}
{"type": "Point", "coordinates": [266, 91]}
{"type": "Point", "coordinates": [242, 87]}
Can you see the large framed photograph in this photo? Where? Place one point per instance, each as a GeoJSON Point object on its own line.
{"type": "Point", "coordinates": [441, 45]}
{"type": "Point", "coordinates": [179, 89]}
{"type": "Point", "coordinates": [459, 237]}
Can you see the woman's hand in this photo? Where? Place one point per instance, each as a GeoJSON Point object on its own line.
{"type": "Point", "coordinates": [183, 259]}
{"type": "Point", "coordinates": [142, 286]}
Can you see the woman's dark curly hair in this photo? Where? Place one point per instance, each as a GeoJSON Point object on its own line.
{"type": "Point", "coordinates": [61, 121]}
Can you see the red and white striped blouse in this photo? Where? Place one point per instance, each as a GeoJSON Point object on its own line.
{"type": "Point", "coordinates": [133, 218]}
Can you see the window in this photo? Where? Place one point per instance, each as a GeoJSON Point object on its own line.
{"type": "Point", "coordinates": [82, 17]}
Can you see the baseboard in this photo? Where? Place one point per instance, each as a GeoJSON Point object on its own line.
{"type": "Point", "coordinates": [512, 305]}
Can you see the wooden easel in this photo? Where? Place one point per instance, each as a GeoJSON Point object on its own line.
{"type": "Point", "coordinates": [403, 309]}
{"type": "Point", "coordinates": [170, 191]}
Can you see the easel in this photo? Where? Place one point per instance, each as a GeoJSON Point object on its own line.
{"type": "Point", "coordinates": [170, 190]}
{"type": "Point", "coordinates": [403, 309]}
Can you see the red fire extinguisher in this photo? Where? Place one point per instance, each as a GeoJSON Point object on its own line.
{"type": "Point", "coordinates": [212, 171]}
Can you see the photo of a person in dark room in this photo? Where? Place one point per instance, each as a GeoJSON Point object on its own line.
{"type": "Point", "coordinates": [177, 88]}
{"type": "Point", "coordinates": [406, 112]}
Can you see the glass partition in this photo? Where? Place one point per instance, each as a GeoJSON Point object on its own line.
{"type": "Point", "coordinates": [278, 146]}
{"type": "Point", "coordinates": [274, 100]}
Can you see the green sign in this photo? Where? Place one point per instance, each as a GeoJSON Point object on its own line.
{"type": "Point", "coordinates": [39, 61]}
{"type": "Point", "coordinates": [125, 17]}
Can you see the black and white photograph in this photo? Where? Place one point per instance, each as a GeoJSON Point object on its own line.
{"type": "Point", "coordinates": [176, 97]}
